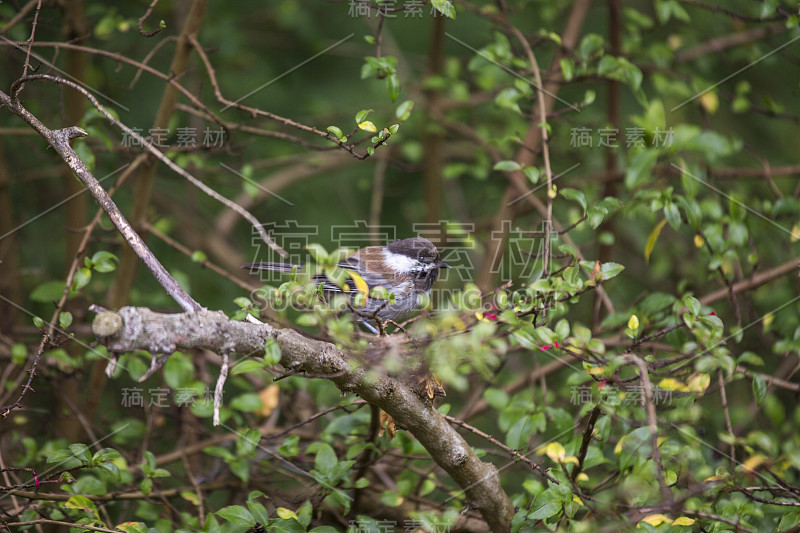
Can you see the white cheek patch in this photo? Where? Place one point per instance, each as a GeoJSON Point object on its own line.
{"type": "Point", "coordinates": [398, 262]}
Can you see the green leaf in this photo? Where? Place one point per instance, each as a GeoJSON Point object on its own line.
{"type": "Point", "coordinates": [304, 513]}
{"type": "Point", "coordinates": [575, 194]}
{"type": "Point", "coordinates": [317, 252]}
{"type": "Point", "coordinates": [248, 402]}
{"type": "Point", "coordinates": [59, 456]}
{"type": "Point", "coordinates": [640, 168]}
{"type": "Point", "coordinates": [307, 320]}
{"type": "Point", "coordinates": [80, 452]}
{"type": "Point", "coordinates": [247, 365]}
{"type": "Point", "coordinates": [403, 111]}
{"type": "Point", "coordinates": [325, 459]}
{"type": "Point", "coordinates": [336, 132]}
{"type": "Point", "coordinates": [673, 215]}
{"type": "Point", "coordinates": [178, 370]}
{"type": "Point", "coordinates": [246, 442]}
{"type": "Point", "coordinates": [65, 319]}
{"type": "Point", "coordinates": [258, 511]}
{"type": "Point", "coordinates": [82, 278]}
{"type": "Point", "coordinates": [590, 44]}
{"type": "Point", "coordinates": [48, 292]}
{"type": "Point", "coordinates": [507, 166]}
{"type": "Point", "coordinates": [85, 154]}
{"type": "Point", "coordinates": [104, 262]}
{"type": "Point", "coordinates": [532, 173]}
{"type": "Point", "coordinates": [18, 354]}
{"type": "Point", "coordinates": [651, 240]}
{"type": "Point", "coordinates": [445, 7]}
{"type": "Point", "coordinates": [199, 256]}
{"type": "Point", "coordinates": [218, 451]}
{"type": "Point", "coordinates": [361, 115]}
{"type": "Point", "coordinates": [545, 505]}
{"type": "Point", "coordinates": [242, 302]}
{"type": "Point", "coordinates": [567, 68]}
{"type": "Point", "coordinates": [393, 86]}
{"type": "Point", "coordinates": [272, 352]}
{"type": "Point", "coordinates": [237, 515]}
{"type": "Point", "coordinates": [759, 388]}
{"type": "Point", "coordinates": [391, 499]}
{"type": "Point", "coordinates": [610, 270]}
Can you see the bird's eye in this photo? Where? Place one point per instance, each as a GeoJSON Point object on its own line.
{"type": "Point", "coordinates": [423, 258]}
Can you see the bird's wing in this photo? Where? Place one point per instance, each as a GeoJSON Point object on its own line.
{"type": "Point", "coordinates": [351, 264]}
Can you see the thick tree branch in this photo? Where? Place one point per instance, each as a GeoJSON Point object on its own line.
{"type": "Point", "coordinates": [142, 329]}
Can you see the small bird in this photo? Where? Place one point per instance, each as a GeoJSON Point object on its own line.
{"type": "Point", "coordinates": [406, 268]}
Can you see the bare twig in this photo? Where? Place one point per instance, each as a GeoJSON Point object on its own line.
{"type": "Point", "coordinates": [31, 39]}
{"type": "Point", "coordinates": [59, 140]}
{"type": "Point", "coordinates": [144, 17]}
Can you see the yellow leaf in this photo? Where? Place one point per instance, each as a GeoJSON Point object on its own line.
{"type": "Point", "coordinates": [618, 447]}
{"type": "Point", "coordinates": [577, 500]}
{"type": "Point", "coordinates": [269, 399]}
{"type": "Point", "coordinates": [633, 322]}
{"type": "Point", "coordinates": [285, 513]}
{"type": "Point", "coordinates": [573, 349]}
{"type": "Point", "coordinates": [699, 241]}
{"type": "Point", "coordinates": [709, 101]}
{"type": "Point", "coordinates": [555, 451]}
{"type": "Point", "coordinates": [795, 234]}
{"type": "Point", "coordinates": [671, 384]}
{"type": "Point", "coordinates": [367, 125]}
{"type": "Point", "coordinates": [754, 462]}
{"type": "Point", "coordinates": [582, 477]}
{"type": "Point", "coordinates": [698, 382]}
{"type": "Point", "coordinates": [479, 316]}
{"type": "Point", "coordinates": [767, 320]}
{"type": "Point", "coordinates": [597, 370]}
{"type": "Point", "coordinates": [572, 459]}
{"type": "Point", "coordinates": [713, 478]}
{"type": "Point", "coordinates": [190, 497]}
{"type": "Point", "coordinates": [552, 193]}
{"type": "Point", "coordinates": [82, 502]}
{"type": "Point", "coordinates": [130, 527]}
{"type": "Point", "coordinates": [683, 521]}
{"type": "Point", "coordinates": [651, 240]}
{"type": "Point", "coordinates": [361, 285]}
{"type": "Point", "coordinates": [656, 519]}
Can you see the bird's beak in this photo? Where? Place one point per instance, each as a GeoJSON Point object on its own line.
{"type": "Point", "coordinates": [442, 264]}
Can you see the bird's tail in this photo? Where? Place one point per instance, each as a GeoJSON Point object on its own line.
{"type": "Point", "coordinates": [275, 267]}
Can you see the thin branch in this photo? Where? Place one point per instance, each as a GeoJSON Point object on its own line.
{"type": "Point", "coordinates": [20, 15]}
{"type": "Point", "coordinates": [755, 281]}
{"type": "Point", "coordinates": [724, 399]}
{"type": "Point", "coordinates": [59, 140]}
{"type": "Point", "coordinates": [513, 453]}
{"type": "Point", "coordinates": [218, 389]}
{"type": "Point", "coordinates": [40, 521]}
{"type": "Point", "coordinates": [652, 422]}
{"type": "Point", "coordinates": [31, 39]}
{"type": "Point", "coordinates": [164, 159]}
{"type": "Point", "coordinates": [144, 17]}
{"type": "Point", "coordinates": [587, 439]}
